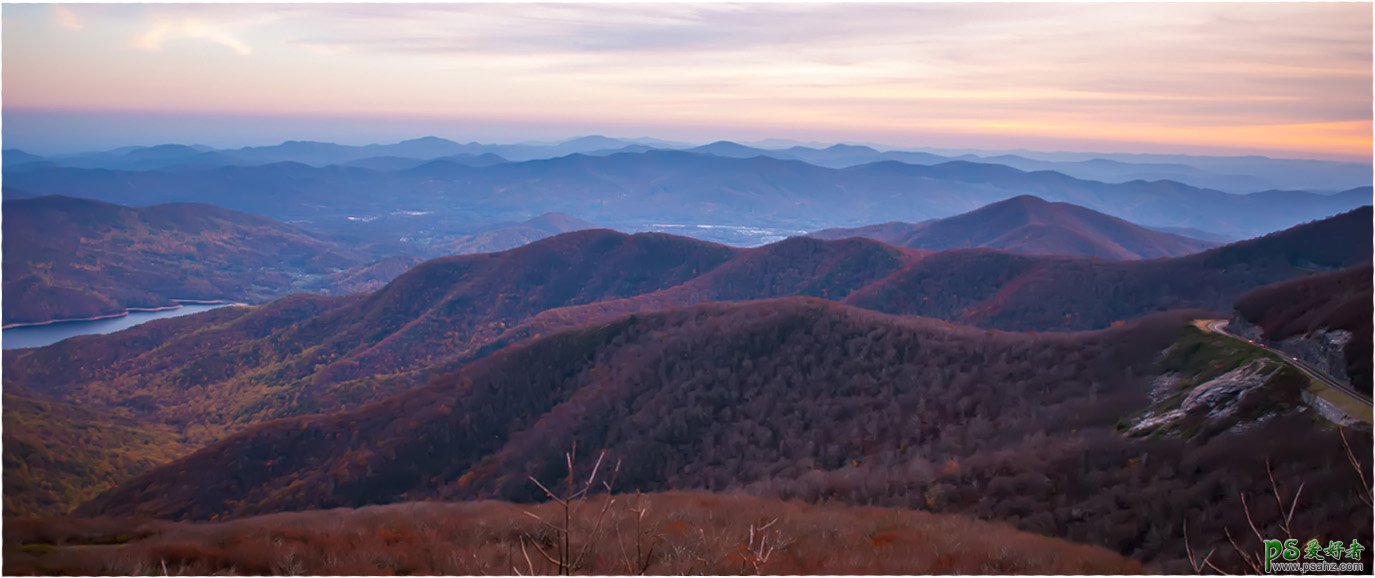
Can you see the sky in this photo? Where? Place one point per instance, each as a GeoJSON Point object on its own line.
{"type": "Point", "coordinates": [1278, 79]}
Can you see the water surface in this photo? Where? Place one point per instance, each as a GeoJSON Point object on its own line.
{"type": "Point", "coordinates": [40, 335]}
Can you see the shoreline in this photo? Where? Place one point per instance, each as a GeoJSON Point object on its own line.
{"type": "Point", "coordinates": [177, 304]}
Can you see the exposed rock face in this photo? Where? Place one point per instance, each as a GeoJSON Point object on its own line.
{"type": "Point", "coordinates": [1322, 349]}
{"type": "Point", "coordinates": [1221, 396]}
{"type": "Point", "coordinates": [1214, 404]}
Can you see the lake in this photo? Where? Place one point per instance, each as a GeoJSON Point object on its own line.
{"type": "Point", "coordinates": [40, 335]}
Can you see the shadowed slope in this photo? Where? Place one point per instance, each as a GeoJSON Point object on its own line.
{"type": "Point", "coordinates": [1337, 301]}
{"type": "Point", "coordinates": [1018, 292]}
{"type": "Point", "coordinates": [793, 397]}
{"type": "Point", "coordinates": [824, 367]}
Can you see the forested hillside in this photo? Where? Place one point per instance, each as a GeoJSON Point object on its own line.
{"type": "Point", "coordinates": [795, 398]}
{"type": "Point", "coordinates": [1337, 301]}
{"type": "Point", "coordinates": [993, 289]}
{"type": "Point", "coordinates": [306, 355]}
{"type": "Point", "coordinates": [71, 258]}
{"type": "Point", "coordinates": [57, 455]}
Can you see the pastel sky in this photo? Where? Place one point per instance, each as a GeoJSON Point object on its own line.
{"type": "Point", "coordinates": [1275, 79]}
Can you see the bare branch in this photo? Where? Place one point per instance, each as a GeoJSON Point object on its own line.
{"type": "Point", "coordinates": [649, 555]}
{"type": "Point", "coordinates": [1288, 518]}
{"type": "Point", "coordinates": [596, 531]}
{"type": "Point", "coordinates": [593, 477]}
{"type": "Point", "coordinates": [1189, 551]}
{"type": "Point", "coordinates": [528, 563]}
{"type": "Point", "coordinates": [1214, 567]}
{"type": "Point", "coordinates": [1279, 501]}
{"type": "Point", "coordinates": [551, 495]}
{"type": "Point", "coordinates": [1247, 508]}
{"type": "Point", "coordinates": [546, 555]}
{"type": "Point", "coordinates": [1245, 557]}
{"type": "Point", "coordinates": [625, 556]}
{"type": "Point", "coordinates": [1366, 491]}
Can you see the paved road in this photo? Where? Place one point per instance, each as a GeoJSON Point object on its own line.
{"type": "Point", "coordinates": [1220, 326]}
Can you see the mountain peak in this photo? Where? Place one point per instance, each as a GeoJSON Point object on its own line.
{"type": "Point", "coordinates": [558, 222]}
{"type": "Point", "coordinates": [1031, 225]}
{"type": "Point", "coordinates": [726, 147]}
{"type": "Point", "coordinates": [592, 140]}
{"type": "Point", "coordinates": [428, 140]}
{"type": "Point", "coordinates": [1027, 199]}
{"type": "Point", "coordinates": [841, 147]}
{"type": "Point", "coordinates": [1020, 201]}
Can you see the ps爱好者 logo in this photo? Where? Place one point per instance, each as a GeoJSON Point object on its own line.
{"type": "Point", "coordinates": [1287, 556]}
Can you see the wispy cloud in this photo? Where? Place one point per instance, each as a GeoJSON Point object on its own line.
{"type": "Point", "coordinates": [190, 29]}
{"type": "Point", "coordinates": [65, 17]}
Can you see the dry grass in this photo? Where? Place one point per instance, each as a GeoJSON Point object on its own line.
{"type": "Point", "coordinates": [670, 533]}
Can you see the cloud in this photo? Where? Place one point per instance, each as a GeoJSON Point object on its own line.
{"type": "Point", "coordinates": [190, 28]}
{"type": "Point", "coordinates": [66, 18]}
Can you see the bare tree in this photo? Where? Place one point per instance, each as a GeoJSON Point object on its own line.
{"type": "Point", "coordinates": [1194, 562]}
{"type": "Point", "coordinates": [564, 558]}
{"type": "Point", "coordinates": [1255, 562]}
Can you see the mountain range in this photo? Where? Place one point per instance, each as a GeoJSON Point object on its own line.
{"type": "Point", "coordinates": [806, 368]}
{"type": "Point", "coordinates": [126, 257]}
{"type": "Point", "coordinates": [1231, 174]}
{"type": "Point", "coordinates": [313, 354]}
{"type": "Point", "coordinates": [427, 206]}
{"type": "Point", "coordinates": [1021, 345]}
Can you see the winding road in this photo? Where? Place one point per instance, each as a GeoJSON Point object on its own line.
{"type": "Point", "coordinates": [1355, 400]}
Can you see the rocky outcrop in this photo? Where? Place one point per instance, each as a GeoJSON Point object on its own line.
{"type": "Point", "coordinates": [1323, 349]}
{"type": "Point", "coordinates": [1226, 401]}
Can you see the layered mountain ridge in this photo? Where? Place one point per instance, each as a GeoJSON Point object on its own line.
{"type": "Point", "coordinates": [632, 189]}
{"type": "Point", "coordinates": [312, 354]}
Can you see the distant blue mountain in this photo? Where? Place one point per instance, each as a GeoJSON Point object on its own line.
{"type": "Point", "coordinates": [660, 186]}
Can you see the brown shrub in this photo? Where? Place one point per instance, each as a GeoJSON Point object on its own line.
{"type": "Point", "coordinates": [678, 533]}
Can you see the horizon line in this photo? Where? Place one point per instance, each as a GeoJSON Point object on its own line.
{"type": "Point", "coordinates": [688, 144]}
